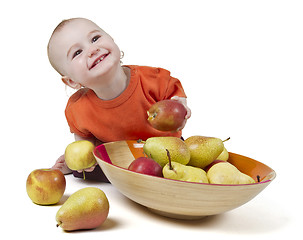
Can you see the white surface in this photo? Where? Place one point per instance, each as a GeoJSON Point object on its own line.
{"type": "Point", "coordinates": [240, 63]}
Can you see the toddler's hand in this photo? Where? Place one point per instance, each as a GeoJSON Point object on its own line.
{"type": "Point", "coordinates": [61, 165]}
{"type": "Point", "coordinates": [184, 102]}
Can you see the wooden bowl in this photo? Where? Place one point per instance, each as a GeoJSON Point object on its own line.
{"type": "Point", "coordinates": [173, 198]}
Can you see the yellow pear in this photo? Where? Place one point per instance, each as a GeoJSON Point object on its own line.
{"type": "Point", "coordinates": [226, 173]}
{"type": "Point", "coordinates": [85, 209]}
{"type": "Point", "coordinates": [203, 150]}
{"type": "Point", "coordinates": [79, 155]}
{"type": "Point", "coordinates": [155, 148]}
{"type": "Point", "coordinates": [224, 155]}
{"type": "Point", "coordinates": [178, 171]}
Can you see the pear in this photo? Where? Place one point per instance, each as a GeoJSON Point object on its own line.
{"type": "Point", "coordinates": [224, 155]}
{"type": "Point", "coordinates": [85, 209]}
{"type": "Point", "coordinates": [79, 155]}
{"type": "Point", "coordinates": [155, 148]}
{"type": "Point", "coordinates": [203, 150]}
{"type": "Point", "coordinates": [178, 171]}
{"type": "Point", "coordinates": [226, 173]}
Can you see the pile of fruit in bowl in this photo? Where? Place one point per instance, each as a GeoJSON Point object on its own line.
{"type": "Point", "coordinates": [182, 179]}
{"type": "Point", "coordinates": [197, 159]}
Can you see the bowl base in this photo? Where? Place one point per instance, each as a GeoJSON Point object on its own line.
{"type": "Point", "coordinates": [175, 216]}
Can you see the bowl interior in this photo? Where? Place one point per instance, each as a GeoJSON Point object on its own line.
{"type": "Point", "coordinates": [122, 153]}
{"type": "Point", "coordinates": [173, 198]}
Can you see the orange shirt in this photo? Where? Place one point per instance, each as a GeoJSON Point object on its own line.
{"type": "Point", "coordinates": [125, 117]}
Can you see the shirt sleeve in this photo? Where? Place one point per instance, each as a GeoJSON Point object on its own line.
{"type": "Point", "coordinates": [170, 86]}
{"type": "Point", "coordinates": [74, 106]}
{"type": "Point", "coordinates": [174, 88]}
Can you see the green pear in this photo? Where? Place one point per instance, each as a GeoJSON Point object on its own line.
{"type": "Point", "coordinates": [79, 155]}
{"type": "Point", "coordinates": [178, 171]}
{"type": "Point", "coordinates": [155, 148]}
{"type": "Point", "coordinates": [224, 155]}
{"type": "Point", "coordinates": [203, 150]}
{"type": "Point", "coordinates": [226, 173]}
{"type": "Point", "coordinates": [85, 209]}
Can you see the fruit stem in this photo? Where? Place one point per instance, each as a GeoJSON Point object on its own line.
{"type": "Point", "coordinates": [151, 116]}
{"type": "Point", "coordinates": [83, 174]}
{"type": "Point", "coordinates": [169, 160]}
{"type": "Point", "coordinates": [226, 139]}
{"type": "Point", "coordinates": [258, 178]}
{"type": "Point", "coordinates": [140, 141]}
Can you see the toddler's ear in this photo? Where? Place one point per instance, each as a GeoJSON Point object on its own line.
{"type": "Point", "coordinates": [69, 82]}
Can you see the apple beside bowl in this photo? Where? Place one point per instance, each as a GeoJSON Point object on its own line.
{"type": "Point", "coordinates": [173, 198]}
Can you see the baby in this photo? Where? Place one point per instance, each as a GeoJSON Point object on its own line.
{"type": "Point", "coordinates": [112, 99]}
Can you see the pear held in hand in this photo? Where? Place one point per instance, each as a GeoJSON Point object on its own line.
{"type": "Point", "coordinates": [203, 150]}
{"type": "Point", "coordinates": [85, 209]}
{"type": "Point", "coordinates": [226, 173]}
{"type": "Point", "coordinates": [167, 115]}
{"type": "Point", "coordinates": [155, 148]}
{"type": "Point", "coordinates": [79, 155]}
{"type": "Point", "coordinates": [178, 171]}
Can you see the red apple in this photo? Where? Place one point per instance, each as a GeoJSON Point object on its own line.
{"type": "Point", "coordinates": [45, 186]}
{"type": "Point", "coordinates": [146, 166]}
{"type": "Point", "coordinates": [167, 115]}
{"type": "Point", "coordinates": [212, 164]}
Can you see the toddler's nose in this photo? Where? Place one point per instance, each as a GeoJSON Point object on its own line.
{"type": "Point", "coordinates": [93, 51]}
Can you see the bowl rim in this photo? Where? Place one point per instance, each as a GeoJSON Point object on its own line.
{"type": "Point", "coordinates": [107, 161]}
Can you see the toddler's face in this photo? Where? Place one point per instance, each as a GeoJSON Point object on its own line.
{"type": "Point", "coordinates": [84, 53]}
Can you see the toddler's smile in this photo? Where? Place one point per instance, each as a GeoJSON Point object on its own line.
{"type": "Point", "coordinates": [98, 60]}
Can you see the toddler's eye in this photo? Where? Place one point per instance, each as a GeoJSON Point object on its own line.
{"type": "Point", "coordinates": [77, 53]}
{"type": "Point", "coordinates": [95, 38]}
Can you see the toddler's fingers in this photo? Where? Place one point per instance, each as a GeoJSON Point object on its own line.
{"type": "Point", "coordinates": [88, 169]}
{"type": "Point", "coordinates": [188, 113]}
{"type": "Point", "coordinates": [175, 98]}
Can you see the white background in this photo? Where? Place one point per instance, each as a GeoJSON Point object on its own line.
{"type": "Point", "coordinates": [240, 63]}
